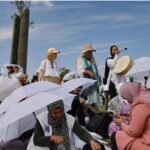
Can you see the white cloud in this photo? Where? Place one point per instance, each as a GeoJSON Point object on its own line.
{"type": "Point", "coordinates": [41, 5]}
{"type": "Point", "coordinates": [54, 32]}
{"type": "Point", "coordinates": [104, 47]}
{"type": "Point", "coordinates": [5, 33]}
{"type": "Point", "coordinates": [113, 17]}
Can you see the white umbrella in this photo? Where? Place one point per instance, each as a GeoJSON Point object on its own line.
{"type": "Point", "coordinates": [71, 75]}
{"type": "Point", "coordinates": [20, 116]}
{"type": "Point", "coordinates": [75, 83]}
{"type": "Point", "coordinates": [70, 85]}
{"type": "Point", "coordinates": [20, 68]}
{"type": "Point", "coordinates": [7, 86]}
{"type": "Point", "coordinates": [24, 92]}
{"type": "Point", "coordinates": [140, 68]}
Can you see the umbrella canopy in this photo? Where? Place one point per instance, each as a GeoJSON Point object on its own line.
{"type": "Point", "coordinates": [140, 68]}
{"type": "Point", "coordinates": [71, 75]}
{"type": "Point", "coordinates": [24, 92]}
{"type": "Point", "coordinates": [23, 112]}
{"type": "Point", "coordinates": [7, 86]}
{"type": "Point", "coordinates": [17, 128]}
{"type": "Point", "coordinates": [75, 83]}
{"type": "Point", "coordinates": [20, 68]}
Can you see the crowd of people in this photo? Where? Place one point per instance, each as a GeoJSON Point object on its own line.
{"type": "Point", "coordinates": [126, 120]}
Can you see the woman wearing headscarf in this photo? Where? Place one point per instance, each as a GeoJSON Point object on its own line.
{"type": "Point", "coordinates": [87, 68]}
{"type": "Point", "coordinates": [111, 79]}
{"type": "Point", "coordinates": [118, 106]}
{"type": "Point", "coordinates": [135, 135]}
{"type": "Point", "coordinates": [48, 70]}
{"type": "Point", "coordinates": [55, 129]}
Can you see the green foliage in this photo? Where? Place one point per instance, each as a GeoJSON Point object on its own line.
{"type": "Point", "coordinates": [63, 72]}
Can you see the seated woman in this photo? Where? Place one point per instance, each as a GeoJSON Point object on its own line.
{"type": "Point", "coordinates": [55, 128]}
{"type": "Point", "coordinates": [118, 106]}
{"type": "Point", "coordinates": [135, 135]}
{"type": "Point", "coordinates": [77, 106]}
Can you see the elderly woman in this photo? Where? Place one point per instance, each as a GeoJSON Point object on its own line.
{"type": "Point", "coordinates": [48, 70]}
{"type": "Point", "coordinates": [55, 129]}
{"type": "Point", "coordinates": [135, 134]}
{"type": "Point", "coordinates": [87, 67]}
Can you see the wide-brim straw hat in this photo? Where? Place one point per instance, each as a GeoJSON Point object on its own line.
{"type": "Point", "coordinates": [87, 48]}
{"type": "Point", "coordinates": [52, 51]}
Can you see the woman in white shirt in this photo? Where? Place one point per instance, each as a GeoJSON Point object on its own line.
{"type": "Point", "coordinates": [48, 70]}
{"type": "Point", "coordinates": [111, 79]}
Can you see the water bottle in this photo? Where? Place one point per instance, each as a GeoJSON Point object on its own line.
{"type": "Point", "coordinates": [61, 147]}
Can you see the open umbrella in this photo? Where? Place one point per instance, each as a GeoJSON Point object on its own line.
{"type": "Point", "coordinates": [25, 92]}
{"type": "Point", "coordinates": [20, 68]}
{"type": "Point", "coordinates": [20, 118]}
{"type": "Point", "coordinates": [75, 83]}
{"type": "Point", "coordinates": [69, 86]}
{"type": "Point", "coordinates": [34, 88]}
{"type": "Point", "coordinates": [71, 75]}
{"type": "Point", "coordinates": [7, 86]}
{"type": "Point", "coordinates": [140, 68]}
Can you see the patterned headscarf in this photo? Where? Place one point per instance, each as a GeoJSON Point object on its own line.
{"type": "Point", "coordinates": [59, 127]}
{"type": "Point", "coordinates": [134, 92]}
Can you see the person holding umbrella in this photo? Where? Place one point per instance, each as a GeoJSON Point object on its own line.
{"type": "Point", "coordinates": [54, 129]}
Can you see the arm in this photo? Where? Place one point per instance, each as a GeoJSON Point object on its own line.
{"type": "Point", "coordinates": [82, 133]}
{"type": "Point", "coordinates": [85, 136]}
{"type": "Point", "coordinates": [57, 68]}
{"type": "Point", "coordinates": [139, 117]}
{"type": "Point", "coordinates": [41, 70]}
{"type": "Point", "coordinates": [39, 139]}
{"type": "Point", "coordinates": [111, 62]}
{"type": "Point", "coordinates": [80, 67]}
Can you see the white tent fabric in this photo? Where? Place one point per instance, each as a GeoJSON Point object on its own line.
{"type": "Point", "coordinates": [7, 86]}
{"type": "Point", "coordinates": [24, 92]}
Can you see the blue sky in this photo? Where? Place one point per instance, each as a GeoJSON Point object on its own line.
{"type": "Point", "coordinates": [68, 25]}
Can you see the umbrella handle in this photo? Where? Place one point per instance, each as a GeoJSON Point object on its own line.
{"type": "Point", "coordinates": [34, 115]}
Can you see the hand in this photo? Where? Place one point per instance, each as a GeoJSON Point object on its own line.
{"type": "Point", "coordinates": [57, 139]}
{"type": "Point", "coordinates": [119, 121]}
{"type": "Point", "coordinates": [125, 119]}
{"type": "Point", "coordinates": [95, 145]}
{"type": "Point", "coordinates": [116, 115]}
{"type": "Point", "coordinates": [90, 73]}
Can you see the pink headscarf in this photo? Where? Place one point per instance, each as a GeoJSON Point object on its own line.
{"type": "Point", "coordinates": [134, 91]}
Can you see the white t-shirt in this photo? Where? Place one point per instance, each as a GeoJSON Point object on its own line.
{"type": "Point", "coordinates": [49, 68]}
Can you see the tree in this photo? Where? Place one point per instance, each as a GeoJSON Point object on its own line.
{"type": "Point", "coordinates": [63, 72]}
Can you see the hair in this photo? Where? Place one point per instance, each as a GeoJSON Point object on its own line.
{"type": "Point", "coordinates": [112, 48]}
